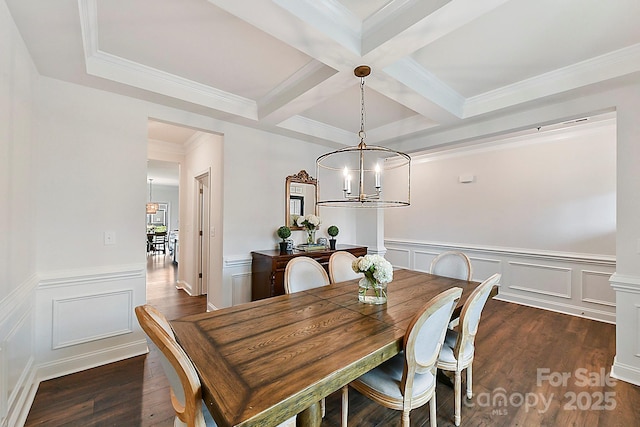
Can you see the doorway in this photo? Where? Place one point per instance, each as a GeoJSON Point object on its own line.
{"type": "Point", "coordinates": [202, 233]}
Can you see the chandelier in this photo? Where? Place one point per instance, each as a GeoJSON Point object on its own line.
{"type": "Point", "coordinates": [152, 208]}
{"type": "Point", "coordinates": [354, 176]}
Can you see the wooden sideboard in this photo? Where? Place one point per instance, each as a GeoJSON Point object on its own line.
{"type": "Point", "coordinates": [267, 268]}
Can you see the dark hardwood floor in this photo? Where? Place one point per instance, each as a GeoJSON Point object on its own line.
{"type": "Point", "coordinates": [532, 368]}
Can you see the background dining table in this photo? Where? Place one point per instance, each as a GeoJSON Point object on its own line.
{"type": "Point", "coordinates": [263, 362]}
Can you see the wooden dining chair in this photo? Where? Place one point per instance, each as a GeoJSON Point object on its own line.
{"type": "Point", "coordinates": [186, 394]}
{"type": "Point", "coordinates": [408, 380]}
{"type": "Point", "coordinates": [303, 273]}
{"type": "Point", "coordinates": [186, 391]}
{"type": "Point", "coordinates": [459, 346]}
{"type": "Point", "coordinates": [454, 264]}
{"type": "Point", "coordinates": [340, 269]}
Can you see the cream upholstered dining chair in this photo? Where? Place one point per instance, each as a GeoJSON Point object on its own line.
{"type": "Point", "coordinates": [459, 346]}
{"type": "Point", "coordinates": [454, 264]}
{"type": "Point", "coordinates": [186, 392]}
{"type": "Point", "coordinates": [408, 380]}
{"type": "Point", "coordinates": [340, 269]}
{"type": "Point", "coordinates": [303, 273]}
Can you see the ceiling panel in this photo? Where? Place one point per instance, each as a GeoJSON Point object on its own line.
{"type": "Point", "coordinates": [343, 110]}
{"type": "Point", "coordinates": [523, 39]}
{"type": "Point", "coordinates": [198, 41]}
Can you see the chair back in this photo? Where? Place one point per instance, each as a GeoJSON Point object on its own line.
{"type": "Point", "coordinates": [454, 264]}
{"type": "Point", "coordinates": [470, 316]}
{"type": "Point", "coordinates": [303, 273]}
{"type": "Point", "coordinates": [340, 269]}
{"type": "Point", "coordinates": [186, 393]}
{"type": "Point", "coordinates": [425, 335]}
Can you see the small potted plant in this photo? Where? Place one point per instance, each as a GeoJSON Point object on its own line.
{"type": "Point", "coordinates": [284, 232]}
{"type": "Point", "coordinates": [333, 232]}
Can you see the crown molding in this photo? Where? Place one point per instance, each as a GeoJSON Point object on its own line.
{"type": "Point", "coordinates": [608, 66]}
{"type": "Point", "coordinates": [115, 68]}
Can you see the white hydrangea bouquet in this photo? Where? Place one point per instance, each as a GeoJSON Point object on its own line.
{"type": "Point", "coordinates": [378, 272]}
{"type": "Point", "coordinates": [310, 223]}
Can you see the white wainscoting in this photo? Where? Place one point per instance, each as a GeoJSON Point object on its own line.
{"type": "Point", "coordinates": [576, 284]}
{"type": "Point", "coordinates": [626, 364]}
{"type": "Point", "coordinates": [18, 382]}
{"type": "Point", "coordinates": [85, 318]}
{"type": "Point", "coordinates": [236, 276]}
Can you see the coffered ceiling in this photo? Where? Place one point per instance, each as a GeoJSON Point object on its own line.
{"type": "Point", "coordinates": [286, 66]}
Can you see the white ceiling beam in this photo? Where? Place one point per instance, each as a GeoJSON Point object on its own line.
{"type": "Point", "coordinates": [306, 78]}
{"type": "Point", "coordinates": [330, 17]}
{"type": "Point", "coordinates": [316, 94]}
{"type": "Point", "coordinates": [393, 89]}
{"type": "Point", "coordinates": [291, 30]}
{"type": "Point", "coordinates": [390, 38]}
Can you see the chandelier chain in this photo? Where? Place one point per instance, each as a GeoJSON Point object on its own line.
{"type": "Point", "coordinates": [362, 134]}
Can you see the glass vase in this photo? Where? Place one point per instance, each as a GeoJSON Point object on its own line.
{"type": "Point", "coordinates": [311, 236]}
{"type": "Point", "coordinates": [372, 292]}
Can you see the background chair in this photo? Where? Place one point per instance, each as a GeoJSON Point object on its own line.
{"type": "Point", "coordinates": [303, 273]}
{"type": "Point", "coordinates": [408, 380]}
{"type": "Point", "coordinates": [454, 264]}
{"type": "Point", "coordinates": [458, 349]}
{"type": "Point", "coordinates": [160, 241]}
{"type": "Point", "coordinates": [340, 269]}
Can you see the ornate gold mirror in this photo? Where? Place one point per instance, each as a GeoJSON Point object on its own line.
{"type": "Point", "coordinates": [300, 198]}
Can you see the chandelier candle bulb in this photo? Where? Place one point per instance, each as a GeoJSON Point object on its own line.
{"type": "Point", "coordinates": [347, 181]}
{"type": "Point", "coordinates": [378, 175]}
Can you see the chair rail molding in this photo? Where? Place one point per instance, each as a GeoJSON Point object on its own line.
{"type": "Point", "coordinates": [565, 282]}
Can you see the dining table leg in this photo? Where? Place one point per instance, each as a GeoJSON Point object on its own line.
{"type": "Point", "coordinates": [310, 417]}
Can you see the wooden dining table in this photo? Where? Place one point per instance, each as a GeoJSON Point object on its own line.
{"type": "Point", "coordinates": [263, 362]}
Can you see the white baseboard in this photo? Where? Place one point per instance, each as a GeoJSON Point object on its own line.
{"type": "Point", "coordinates": [572, 310]}
{"type": "Point", "coordinates": [20, 412]}
{"type": "Point", "coordinates": [626, 373]}
{"type": "Point", "coordinates": [185, 286]}
{"type": "Point", "coordinates": [90, 360]}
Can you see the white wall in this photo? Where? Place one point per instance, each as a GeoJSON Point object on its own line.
{"type": "Point", "coordinates": [256, 166]}
{"type": "Point", "coordinates": [18, 85]}
{"type": "Point", "coordinates": [91, 155]}
{"type": "Point", "coordinates": [555, 192]}
{"type": "Point", "coordinates": [541, 210]}
{"type": "Point", "coordinates": [203, 156]}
